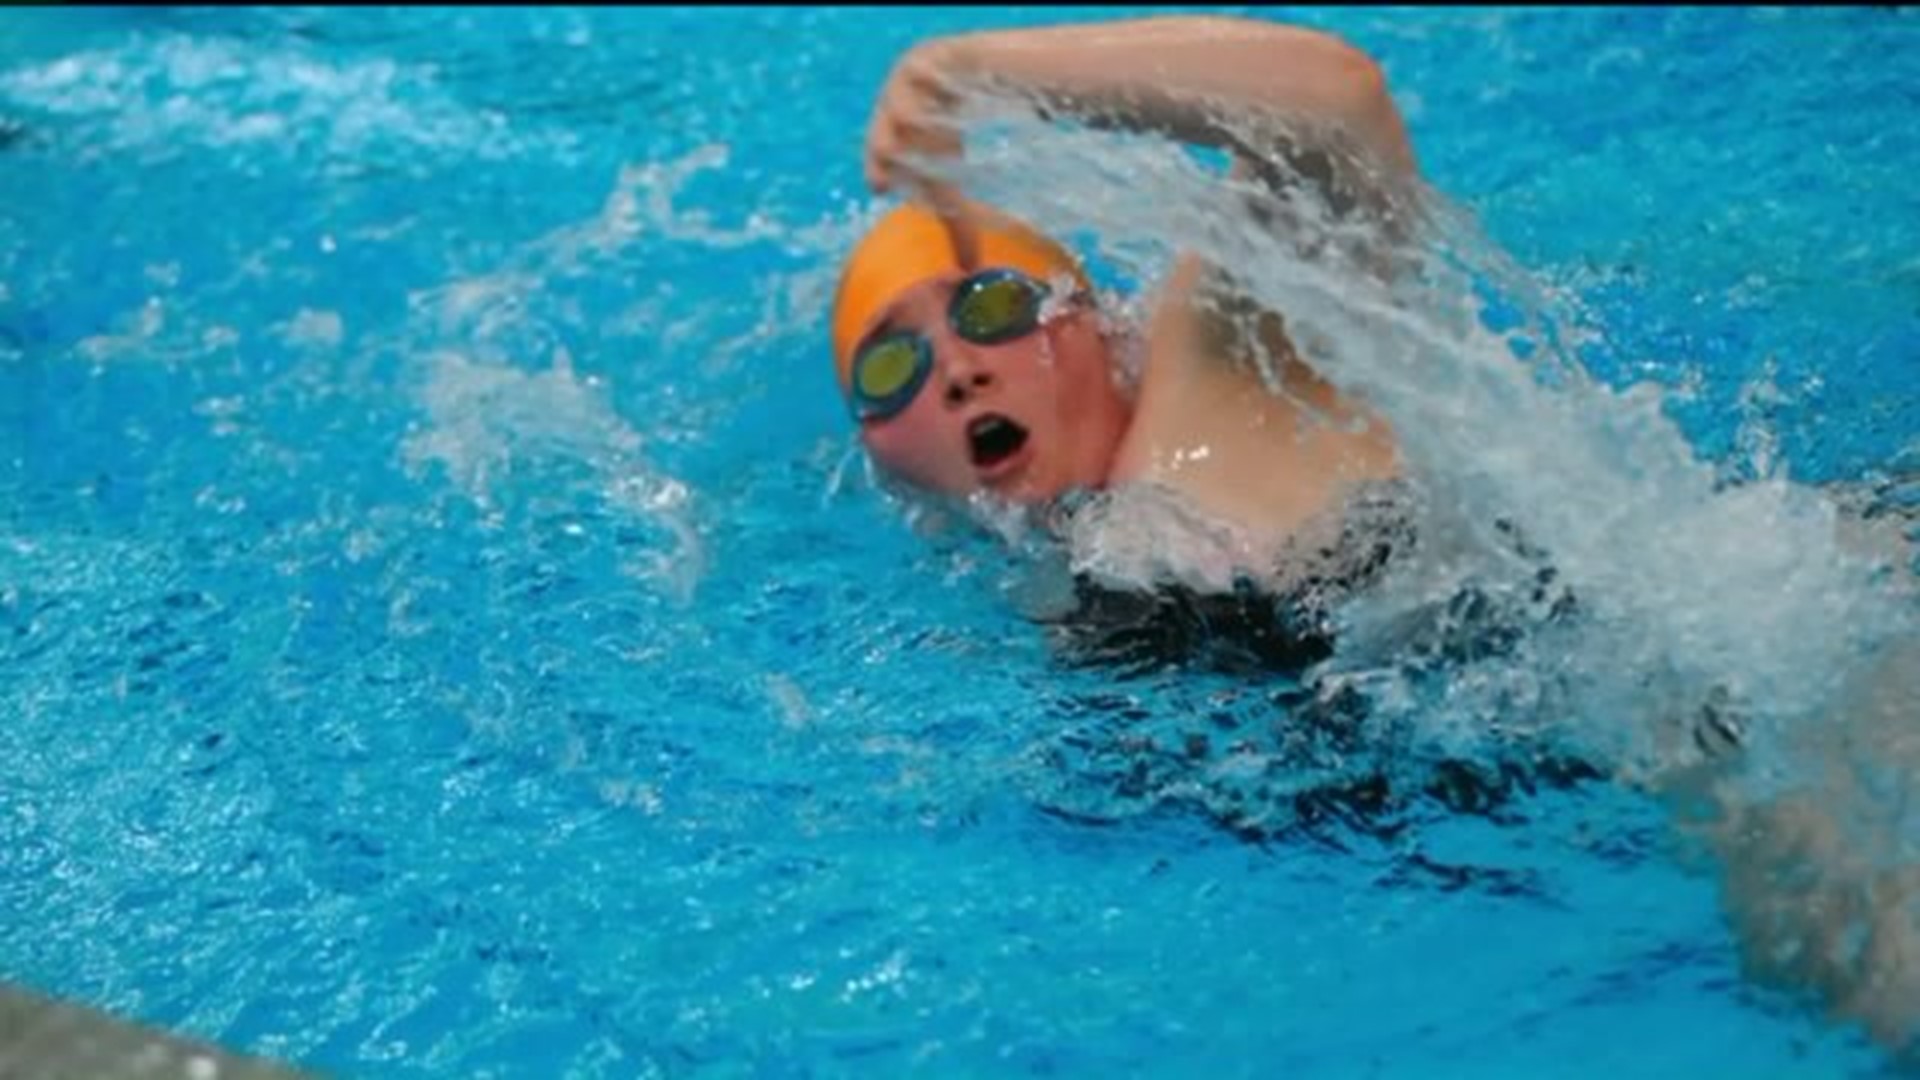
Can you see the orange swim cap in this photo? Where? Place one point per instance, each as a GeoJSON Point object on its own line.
{"type": "Point", "coordinates": [910, 244]}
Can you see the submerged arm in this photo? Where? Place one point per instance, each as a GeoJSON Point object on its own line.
{"type": "Point", "coordinates": [1823, 884]}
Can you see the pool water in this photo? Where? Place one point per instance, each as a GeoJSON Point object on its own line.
{"type": "Point", "coordinates": [446, 628]}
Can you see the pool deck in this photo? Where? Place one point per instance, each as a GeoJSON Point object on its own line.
{"type": "Point", "coordinates": [42, 1039]}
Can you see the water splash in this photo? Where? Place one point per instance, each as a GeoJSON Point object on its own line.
{"type": "Point", "coordinates": [1682, 576]}
{"type": "Point", "coordinates": [491, 408]}
{"type": "Point", "coordinates": [1730, 600]}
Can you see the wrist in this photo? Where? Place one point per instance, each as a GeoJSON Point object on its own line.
{"type": "Point", "coordinates": [955, 59]}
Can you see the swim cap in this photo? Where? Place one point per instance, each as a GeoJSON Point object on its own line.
{"type": "Point", "coordinates": [910, 244]}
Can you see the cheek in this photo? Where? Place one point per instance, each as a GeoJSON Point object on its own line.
{"type": "Point", "coordinates": [914, 446]}
{"type": "Point", "coordinates": [1071, 368]}
{"type": "Point", "coordinates": [1082, 353]}
{"type": "Point", "coordinates": [1036, 377]}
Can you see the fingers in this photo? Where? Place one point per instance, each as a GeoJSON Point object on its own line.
{"type": "Point", "coordinates": [913, 125]}
{"type": "Point", "coordinates": [931, 86]}
{"type": "Point", "coordinates": [895, 143]}
{"type": "Point", "coordinates": [947, 202]}
{"type": "Point", "coordinates": [966, 243]}
{"type": "Point", "coordinates": [912, 119]}
{"type": "Point", "coordinates": [885, 169]}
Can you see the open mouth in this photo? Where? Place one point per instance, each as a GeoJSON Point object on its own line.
{"type": "Point", "coordinates": [993, 438]}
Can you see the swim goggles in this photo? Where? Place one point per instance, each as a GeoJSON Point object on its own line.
{"type": "Point", "coordinates": [988, 308]}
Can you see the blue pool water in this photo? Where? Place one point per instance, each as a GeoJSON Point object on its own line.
{"type": "Point", "coordinates": [445, 631]}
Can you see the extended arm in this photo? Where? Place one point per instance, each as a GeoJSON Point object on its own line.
{"type": "Point", "coordinates": [1290, 105]}
{"type": "Point", "coordinates": [1206, 80]}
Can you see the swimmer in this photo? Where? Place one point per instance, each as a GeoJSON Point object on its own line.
{"type": "Point", "coordinates": [976, 363]}
{"type": "Point", "coordinates": [968, 344]}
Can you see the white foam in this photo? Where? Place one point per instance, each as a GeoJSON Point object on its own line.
{"type": "Point", "coordinates": [237, 94]}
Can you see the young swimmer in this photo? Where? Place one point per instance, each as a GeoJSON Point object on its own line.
{"type": "Point", "coordinates": [972, 355]}
{"type": "Point", "coordinates": [967, 342]}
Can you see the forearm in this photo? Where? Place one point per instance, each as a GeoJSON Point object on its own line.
{"type": "Point", "coordinates": [1194, 78]}
{"type": "Point", "coordinates": [1822, 884]}
{"type": "Point", "coordinates": [1814, 914]}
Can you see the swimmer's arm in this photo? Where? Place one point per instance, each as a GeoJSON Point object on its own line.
{"type": "Point", "coordinates": [1814, 913]}
{"type": "Point", "coordinates": [1822, 883]}
{"type": "Point", "coordinates": [1206, 80]}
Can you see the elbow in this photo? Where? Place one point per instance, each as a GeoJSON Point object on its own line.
{"type": "Point", "coordinates": [1295, 69]}
{"type": "Point", "coordinates": [1357, 88]}
{"type": "Point", "coordinates": [1365, 80]}
{"type": "Point", "coordinates": [1350, 71]}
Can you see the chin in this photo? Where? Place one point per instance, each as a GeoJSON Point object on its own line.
{"type": "Point", "coordinates": [1033, 490]}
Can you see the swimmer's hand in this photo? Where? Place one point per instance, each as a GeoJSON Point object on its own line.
{"type": "Point", "coordinates": [913, 122]}
{"type": "Point", "coordinates": [913, 118]}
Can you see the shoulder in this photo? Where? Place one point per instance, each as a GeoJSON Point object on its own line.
{"type": "Point", "coordinates": [1202, 316]}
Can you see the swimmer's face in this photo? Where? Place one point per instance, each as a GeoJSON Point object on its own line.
{"type": "Point", "coordinates": [1027, 418]}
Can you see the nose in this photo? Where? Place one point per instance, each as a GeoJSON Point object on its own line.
{"type": "Point", "coordinates": [964, 381]}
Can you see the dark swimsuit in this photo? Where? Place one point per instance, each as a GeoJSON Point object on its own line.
{"type": "Point", "coordinates": [1320, 757]}
{"type": "Point", "coordinates": [1249, 628]}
